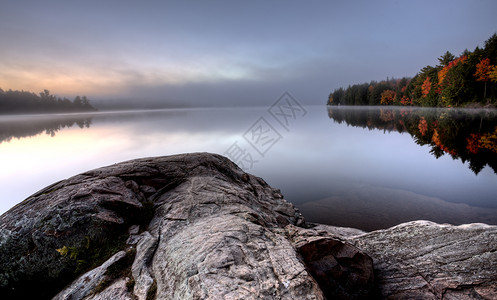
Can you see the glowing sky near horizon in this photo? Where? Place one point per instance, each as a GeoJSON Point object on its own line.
{"type": "Point", "coordinates": [215, 52]}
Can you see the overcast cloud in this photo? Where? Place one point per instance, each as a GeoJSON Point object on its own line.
{"type": "Point", "coordinates": [228, 52]}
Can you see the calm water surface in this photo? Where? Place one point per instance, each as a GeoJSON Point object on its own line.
{"type": "Point", "coordinates": [361, 167]}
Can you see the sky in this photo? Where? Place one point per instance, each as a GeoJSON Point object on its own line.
{"type": "Point", "coordinates": [218, 53]}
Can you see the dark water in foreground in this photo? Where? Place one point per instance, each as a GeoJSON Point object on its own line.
{"type": "Point", "coordinates": [362, 167]}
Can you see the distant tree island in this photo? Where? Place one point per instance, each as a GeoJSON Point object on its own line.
{"type": "Point", "coordinates": [22, 102]}
{"type": "Point", "coordinates": [470, 79]}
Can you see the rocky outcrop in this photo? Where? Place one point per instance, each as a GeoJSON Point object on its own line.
{"type": "Point", "coordinates": [424, 260]}
{"type": "Point", "coordinates": [181, 227]}
{"type": "Point", "coordinates": [195, 226]}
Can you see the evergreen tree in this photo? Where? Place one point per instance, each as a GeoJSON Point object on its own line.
{"type": "Point", "coordinates": [446, 59]}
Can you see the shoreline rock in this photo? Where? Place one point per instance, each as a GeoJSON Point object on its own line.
{"type": "Point", "coordinates": [195, 226]}
{"type": "Point", "coordinates": [426, 260]}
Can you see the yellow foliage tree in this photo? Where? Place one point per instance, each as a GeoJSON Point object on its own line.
{"type": "Point", "coordinates": [489, 141]}
{"type": "Point", "coordinates": [492, 75]}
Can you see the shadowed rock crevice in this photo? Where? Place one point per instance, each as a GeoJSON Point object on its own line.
{"type": "Point", "coordinates": [342, 270]}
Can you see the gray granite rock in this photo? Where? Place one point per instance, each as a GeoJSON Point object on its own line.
{"type": "Point", "coordinates": [89, 282]}
{"type": "Point", "coordinates": [195, 226]}
{"type": "Point", "coordinates": [424, 260]}
{"type": "Point", "coordinates": [198, 227]}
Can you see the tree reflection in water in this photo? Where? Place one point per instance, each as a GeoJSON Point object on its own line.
{"type": "Point", "coordinates": [27, 126]}
{"type": "Point", "coordinates": [466, 134]}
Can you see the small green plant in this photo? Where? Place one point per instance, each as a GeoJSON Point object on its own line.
{"type": "Point", "coordinates": [71, 251]}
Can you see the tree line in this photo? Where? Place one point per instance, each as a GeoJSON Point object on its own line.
{"type": "Point", "coordinates": [22, 102]}
{"type": "Point", "coordinates": [455, 81]}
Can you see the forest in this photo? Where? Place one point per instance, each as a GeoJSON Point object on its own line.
{"type": "Point", "coordinates": [22, 102]}
{"type": "Point", "coordinates": [469, 79]}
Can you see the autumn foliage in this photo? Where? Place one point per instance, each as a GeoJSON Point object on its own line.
{"type": "Point", "coordinates": [483, 69]}
{"type": "Point", "coordinates": [473, 143]}
{"type": "Point", "coordinates": [387, 97]}
{"type": "Point", "coordinates": [489, 141]}
{"type": "Point", "coordinates": [423, 126]}
{"type": "Point", "coordinates": [458, 80]}
{"type": "Point", "coordinates": [493, 74]}
{"type": "Point", "coordinates": [442, 74]}
{"type": "Point", "coordinates": [426, 87]}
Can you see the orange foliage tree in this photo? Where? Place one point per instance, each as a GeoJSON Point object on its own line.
{"type": "Point", "coordinates": [426, 87]}
{"type": "Point", "coordinates": [387, 97]}
{"type": "Point", "coordinates": [483, 69]}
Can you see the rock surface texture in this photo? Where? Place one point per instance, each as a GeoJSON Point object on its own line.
{"type": "Point", "coordinates": [190, 226]}
{"type": "Point", "coordinates": [424, 260]}
{"type": "Point", "coordinates": [195, 226]}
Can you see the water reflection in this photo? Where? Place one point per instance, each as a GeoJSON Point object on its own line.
{"type": "Point", "coordinates": [27, 126]}
{"type": "Point", "coordinates": [336, 172]}
{"type": "Point", "coordinates": [466, 134]}
{"type": "Point", "coordinates": [373, 207]}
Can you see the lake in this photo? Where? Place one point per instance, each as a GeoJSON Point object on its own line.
{"type": "Point", "coordinates": [363, 167]}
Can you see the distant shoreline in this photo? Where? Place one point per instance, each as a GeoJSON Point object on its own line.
{"type": "Point", "coordinates": [467, 80]}
{"type": "Point", "coordinates": [23, 102]}
{"type": "Point", "coordinates": [469, 105]}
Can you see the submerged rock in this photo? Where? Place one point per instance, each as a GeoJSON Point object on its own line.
{"type": "Point", "coordinates": [195, 226]}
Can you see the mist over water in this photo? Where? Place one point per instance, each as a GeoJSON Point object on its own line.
{"type": "Point", "coordinates": [368, 170]}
